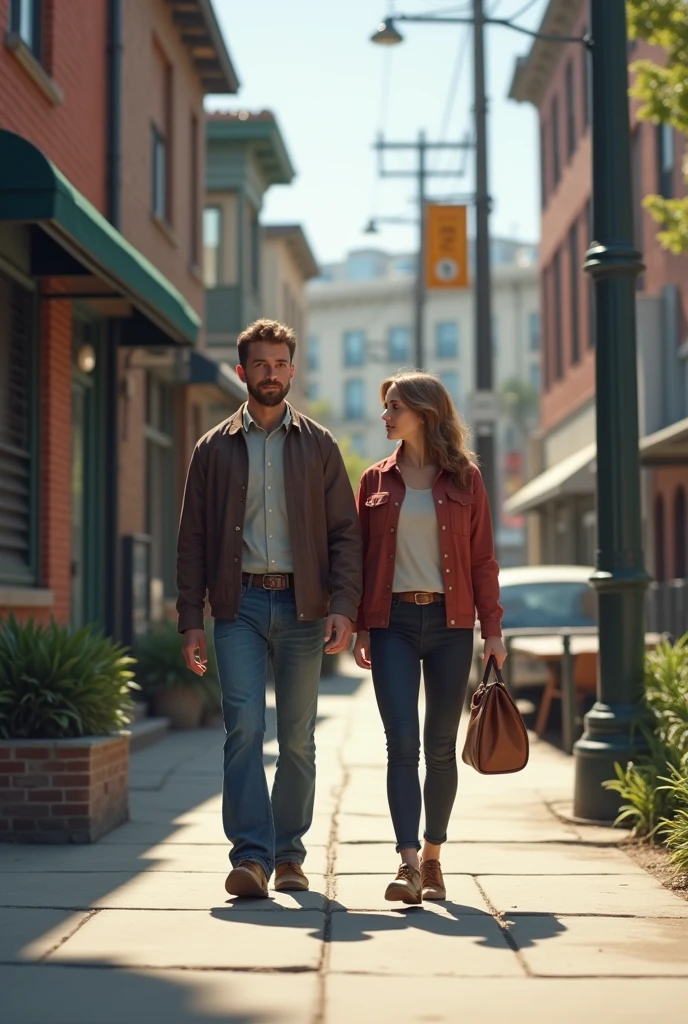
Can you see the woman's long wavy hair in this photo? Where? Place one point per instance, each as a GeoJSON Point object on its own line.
{"type": "Point", "coordinates": [446, 435]}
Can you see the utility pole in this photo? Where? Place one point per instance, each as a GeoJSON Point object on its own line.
{"type": "Point", "coordinates": [483, 413]}
{"type": "Point", "coordinates": [421, 174]}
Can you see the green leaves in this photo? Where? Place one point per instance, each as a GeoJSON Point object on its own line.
{"type": "Point", "coordinates": [160, 662]}
{"type": "Point", "coordinates": [655, 789]}
{"type": "Point", "coordinates": [56, 684]}
{"type": "Point", "coordinates": [662, 90]}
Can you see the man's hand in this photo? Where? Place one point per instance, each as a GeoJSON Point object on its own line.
{"type": "Point", "coordinates": [338, 630]}
{"type": "Point", "coordinates": [362, 649]}
{"type": "Point", "coordinates": [494, 645]}
{"type": "Point", "coordinates": [194, 640]}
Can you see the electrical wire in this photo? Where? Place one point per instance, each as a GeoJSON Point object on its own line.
{"type": "Point", "coordinates": [383, 107]}
{"type": "Point", "coordinates": [453, 90]}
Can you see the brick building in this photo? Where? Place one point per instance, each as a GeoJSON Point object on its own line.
{"type": "Point", "coordinates": [560, 500]}
{"type": "Point", "coordinates": [103, 377]}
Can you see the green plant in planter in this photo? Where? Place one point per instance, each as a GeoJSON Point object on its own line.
{"type": "Point", "coordinates": [58, 684]}
{"type": "Point", "coordinates": [161, 666]}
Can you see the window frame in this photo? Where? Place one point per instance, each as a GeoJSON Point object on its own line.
{"type": "Point", "coordinates": [558, 317]}
{"type": "Point", "coordinates": [556, 142]}
{"type": "Point", "coordinates": [456, 347]}
{"type": "Point", "coordinates": [195, 198]}
{"type": "Point", "coordinates": [393, 357]}
{"type": "Point", "coordinates": [456, 394]}
{"type": "Point", "coordinates": [571, 137]}
{"type": "Point", "coordinates": [158, 173]}
{"type": "Point", "coordinates": [348, 361]}
{"type": "Point", "coordinates": [214, 207]}
{"type": "Point", "coordinates": [665, 169]}
{"type": "Point", "coordinates": [354, 415]}
{"type": "Point", "coordinates": [35, 44]}
{"type": "Point", "coordinates": [574, 289]}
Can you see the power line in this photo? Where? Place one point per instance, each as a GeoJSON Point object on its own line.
{"type": "Point", "coordinates": [454, 84]}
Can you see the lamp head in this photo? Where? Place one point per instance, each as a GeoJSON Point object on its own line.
{"type": "Point", "coordinates": [387, 34]}
{"type": "Point", "coordinates": [371, 227]}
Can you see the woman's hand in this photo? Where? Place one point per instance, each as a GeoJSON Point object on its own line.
{"type": "Point", "coordinates": [494, 645]}
{"type": "Point", "coordinates": [362, 649]}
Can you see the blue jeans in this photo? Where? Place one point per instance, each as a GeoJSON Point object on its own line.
{"type": "Point", "coordinates": [419, 633]}
{"type": "Point", "coordinates": [262, 828]}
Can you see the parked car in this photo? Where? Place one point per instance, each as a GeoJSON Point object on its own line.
{"type": "Point", "coordinates": [547, 597]}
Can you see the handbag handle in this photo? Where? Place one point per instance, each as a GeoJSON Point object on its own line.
{"type": "Point", "coordinates": [492, 666]}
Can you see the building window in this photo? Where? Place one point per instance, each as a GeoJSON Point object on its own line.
{"type": "Point", "coordinates": [17, 543]}
{"type": "Point", "coordinates": [558, 341]}
{"type": "Point", "coordinates": [556, 161]}
{"type": "Point", "coordinates": [452, 382]}
{"type": "Point", "coordinates": [535, 376]}
{"type": "Point", "coordinates": [354, 399]}
{"type": "Point", "coordinates": [660, 549]}
{"type": "Point", "coordinates": [680, 568]}
{"type": "Point", "coordinates": [195, 196]}
{"type": "Point", "coordinates": [534, 332]}
{"type": "Point", "coordinates": [543, 165]}
{"type": "Point", "coordinates": [313, 351]}
{"type": "Point", "coordinates": [398, 344]}
{"type": "Point", "coordinates": [666, 157]}
{"type": "Point", "coordinates": [574, 274]}
{"type": "Point", "coordinates": [161, 500]}
{"type": "Point", "coordinates": [547, 318]}
{"type": "Point", "coordinates": [570, 111]}
{"type": "Point", "coordinates": [313, 391]}
{"type": "Point", "coordinates": [447, 340]}
{"type": "Point", "coordinates": [159, 164]}
{"type": "Point", "coordinates": [354, 348]}
{"type": "Point", "coordinates": [26, 20]}
{"type": "Point", "coordinates": [585, 79]}
{"type": "Point", "coordinates": [212, 246]}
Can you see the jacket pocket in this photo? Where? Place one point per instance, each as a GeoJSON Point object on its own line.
{"type": "Point", "coordinates": [377, 505]}
{"type": "Point", "coordinates": [460, 511]}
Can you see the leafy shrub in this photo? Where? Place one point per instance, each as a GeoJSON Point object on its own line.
{"type": "Point", "coordinates": [58, 684]}
{"type": "Point", "coordinates": [160, 663]}
{"type": "Point", "coordinates": [655, 788]}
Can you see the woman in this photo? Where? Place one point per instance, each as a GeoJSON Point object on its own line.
{"type": "Point", "coordinates": [429, 563]}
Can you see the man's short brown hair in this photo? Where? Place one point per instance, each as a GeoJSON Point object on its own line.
{"type": "Point", "coordinates": [266, 330]}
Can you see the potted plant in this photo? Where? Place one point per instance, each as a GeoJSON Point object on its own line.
{"type": "Point", "coordinates": [64, 759]}
{"type": "Point", "coordinates": [173, 690]}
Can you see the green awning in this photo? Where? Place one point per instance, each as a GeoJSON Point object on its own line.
{"type": "Point", "coordinates": [76, 240]}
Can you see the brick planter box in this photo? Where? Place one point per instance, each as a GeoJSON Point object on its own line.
{"type": "Point", "coordinates": [63, 791]}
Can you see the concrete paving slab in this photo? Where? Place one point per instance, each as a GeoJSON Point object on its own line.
{"type": "Point", "coordinates": [148, 890]}
{"type": "Point", "coordinates": [495, 859]}
{"type": "Point", "coordinates": [277, 939]}
{"type": "Point", "coordinates": [509, 830]}
{"type": "Point", "coordinates": [365, 828]}
{"type": "Point", "coordinates": [367, 892]}
{"type": "Point", "coordinates": [602, 946]}
{"type": "Point", "coordinates": [421, 943]}
{"type": "Point", "coordinates": [517, 1000]}
{"type": "Point", "coordinates": [130, 858]}
{"type": "Point", "coordinates": [635, 895]}
{"type": "Point", "coordinates": [26, 935]}
{"type": "Point", "coordinates": [140, 997]}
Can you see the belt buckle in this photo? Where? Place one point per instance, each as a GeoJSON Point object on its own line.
{"type": "Point", "coordinates": [422, 598]}
{"type": "Point", "coordinates": [275, 581]}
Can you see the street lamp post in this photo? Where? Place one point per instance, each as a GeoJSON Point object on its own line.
{"type": "Point", "coordinates": [620, 578]}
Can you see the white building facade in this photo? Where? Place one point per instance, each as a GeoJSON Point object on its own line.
{"type": "Point", "coordinates": [361, 317]}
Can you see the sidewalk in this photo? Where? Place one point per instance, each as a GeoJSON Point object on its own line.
{"type": "Point", "coordinates": [544, 922]}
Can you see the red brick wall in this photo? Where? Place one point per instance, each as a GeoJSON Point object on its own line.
{"type": "Point", "coordinates": [62, 792]}
{"type": "Point", "coordinates": [566, 204]}
{"type": "Point", "coordinates": [72, 134]}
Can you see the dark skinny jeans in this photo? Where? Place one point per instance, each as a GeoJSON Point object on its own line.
{"type": "Point", "coordinates": [419, 633]}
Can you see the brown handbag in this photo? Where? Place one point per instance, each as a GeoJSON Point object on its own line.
{"type": "Point", "coordinates": [497, 740]}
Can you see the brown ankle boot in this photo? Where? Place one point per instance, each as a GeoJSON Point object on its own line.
{"type": "Point", "coordinates": [432, 880]}
{"type": "Point", "coordinates": [406, 886]}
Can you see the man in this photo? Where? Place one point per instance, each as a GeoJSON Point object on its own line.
{"type": "Point", "coordinates": [269, 528]}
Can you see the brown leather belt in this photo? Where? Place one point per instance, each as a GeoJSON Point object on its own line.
{"type": "Point", "coordinates": [269, 581]}
{"type": "Point", "coordinates": [418, 597]}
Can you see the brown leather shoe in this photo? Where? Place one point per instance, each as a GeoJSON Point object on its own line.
{"type": "Point", "coordinates": [432, 880]}
{"type": "Point", "coordinates": [247, 879]}
{"type": "Point", "coordinates": [289, 877]}
{"type": "Point", "coordinates": [406, 886]}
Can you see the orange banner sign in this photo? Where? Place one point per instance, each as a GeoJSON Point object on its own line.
{"type": "Point", "coordinates": [446, 250]}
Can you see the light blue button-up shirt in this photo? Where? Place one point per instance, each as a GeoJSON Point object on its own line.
{"type": "Point", "coordinates": [267, 543]}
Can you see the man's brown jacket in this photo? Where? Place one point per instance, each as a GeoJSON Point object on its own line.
{"type": "Point", "coordinates": [323, 524]}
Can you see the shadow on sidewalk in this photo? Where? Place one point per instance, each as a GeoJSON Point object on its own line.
{"type": "Point", "coordinates": [361, 926]}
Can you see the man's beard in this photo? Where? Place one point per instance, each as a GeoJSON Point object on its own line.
{"type": "Point", "coordinates": [268, 398]}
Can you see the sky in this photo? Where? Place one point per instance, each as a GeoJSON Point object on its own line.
{"type": "Point", "coordinates": [332, 91]}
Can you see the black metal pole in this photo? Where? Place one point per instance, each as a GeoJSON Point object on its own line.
{"type": "Point", "coordinates": [420, 275]}
{"type": "Point", "coordinates": [620, 578]}
{"type": "Point", "coordinates": [484, 427]}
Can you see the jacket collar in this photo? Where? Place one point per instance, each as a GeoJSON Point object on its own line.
{"type": "Point", "coordinates": [391, 462]}
{"type": "Point", "coordinates": [235, 423]}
